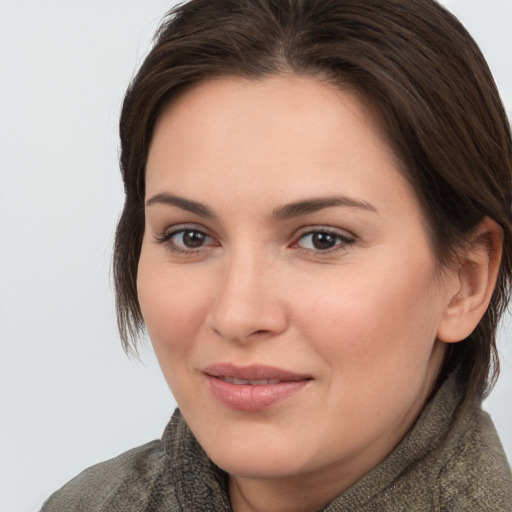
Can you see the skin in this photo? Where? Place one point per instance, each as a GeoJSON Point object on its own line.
{"type": "Point", "coordinates": [365, 318]}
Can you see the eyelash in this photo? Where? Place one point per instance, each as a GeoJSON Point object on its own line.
{"type": "Point", "coordinates": [166, 239]}
{"type": "Point", "coordinates": [343, 241]}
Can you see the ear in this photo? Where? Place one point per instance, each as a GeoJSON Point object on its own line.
{"type": "Point", "coordinates": [474, 283]}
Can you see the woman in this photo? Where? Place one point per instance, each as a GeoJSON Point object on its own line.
{"type": "Point", "coordinates": [317, 238]}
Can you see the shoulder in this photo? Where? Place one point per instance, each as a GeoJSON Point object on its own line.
{"type": "Point", "coordinates": [127, 482]}
{"type": "Point", "coordinates": [474, 474]}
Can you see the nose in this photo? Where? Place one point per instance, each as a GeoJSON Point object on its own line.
{"type": "Point", "coordinates": [247, 305]}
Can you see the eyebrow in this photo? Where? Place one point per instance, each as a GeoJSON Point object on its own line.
{"type": "Point", "coordinates": [184, 204]}
{"type": "Point", "coordinates": [287, 211]}
{"type": "Point", "coordinates": [307, 206]}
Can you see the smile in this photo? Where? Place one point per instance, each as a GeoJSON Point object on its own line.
{"type": "Point", "coordinates": [252, 388]}
{"type": "Point", "coordinates": [260, 382]}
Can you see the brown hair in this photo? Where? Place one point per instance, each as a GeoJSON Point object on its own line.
{"type": "Point", "coordinates": [411, 59]}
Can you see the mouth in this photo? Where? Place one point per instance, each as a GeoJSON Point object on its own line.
{"type": "Point", "coordinates": [255, 374]}
{"type": "Point", "coordinates": [253, 388]}
{"type": "Point", "coordinates": [260, 382]}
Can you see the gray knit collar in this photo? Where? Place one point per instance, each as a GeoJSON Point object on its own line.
{"type": "Point", "coordinates": [201, 485]}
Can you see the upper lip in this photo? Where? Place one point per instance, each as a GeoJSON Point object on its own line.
{"type": "Point", "coordinates": [254, 372]}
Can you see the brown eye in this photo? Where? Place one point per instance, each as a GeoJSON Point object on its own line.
{"type": "Point", "coordinates": [187, 239]}
{"type": "Point", "coordinates": [323, 240]}
{"type": "Point", "coordinates": [192, 239]}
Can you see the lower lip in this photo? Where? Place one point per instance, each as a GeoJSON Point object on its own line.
{"type": "Point", "coordinates": [247, 397]}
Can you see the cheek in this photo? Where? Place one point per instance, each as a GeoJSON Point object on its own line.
{"type": "Point", "coordinates": [372, 317]}
{"type": "Point", "coordinates": [172, 302]}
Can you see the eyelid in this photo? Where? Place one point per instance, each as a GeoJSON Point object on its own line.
{"type": "Point", "coordinates": [166, 238]}
{"type": "Point", "coordinates": [346, 238]}
{"type": "Point", "coordinates": [307, 230]}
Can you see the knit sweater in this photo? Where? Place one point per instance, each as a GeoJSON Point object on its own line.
{"type": "Point", "coordinates": [450, 461]}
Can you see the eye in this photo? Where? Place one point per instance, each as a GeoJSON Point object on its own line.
{"type": "Point", "coordinates": [189, 239]}
{"type": "Point", "coordinates": [323, 240]}
{"type": "Point", "coordinates": [186, 240]}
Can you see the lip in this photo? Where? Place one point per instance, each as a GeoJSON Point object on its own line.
{"type": "Point", "coordinates": [252, 388]}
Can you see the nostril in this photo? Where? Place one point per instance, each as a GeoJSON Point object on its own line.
{"type": "Point", "coordinates": [253, 317]}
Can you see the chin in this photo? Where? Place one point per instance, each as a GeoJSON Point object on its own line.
{"type": "Point", "coordinates": [255, 452]}
{"type": "Point", "coordinates": [259, 464]}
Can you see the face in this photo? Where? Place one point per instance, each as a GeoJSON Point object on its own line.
{"type": "Point", "coordinates": [286, 279]}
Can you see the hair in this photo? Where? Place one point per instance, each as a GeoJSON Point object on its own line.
{"type": "Point", "coordinates": [417, 66]}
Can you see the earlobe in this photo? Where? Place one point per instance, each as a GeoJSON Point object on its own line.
{"type": "Point", "coordinates": [479, 264]}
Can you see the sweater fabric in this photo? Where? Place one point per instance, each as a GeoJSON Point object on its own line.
{"type": "Point", "coordinates": [450, 461]}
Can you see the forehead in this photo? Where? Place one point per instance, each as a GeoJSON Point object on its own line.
{"type": "Point", "coordinates": [262, 139]}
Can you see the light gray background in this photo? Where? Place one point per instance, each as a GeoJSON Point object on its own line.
{"type": "Point", "coordinates": [68, 395]}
